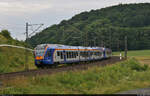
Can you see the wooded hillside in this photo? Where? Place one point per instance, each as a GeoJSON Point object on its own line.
{"type": "Point", "coordinates": [102, 27]}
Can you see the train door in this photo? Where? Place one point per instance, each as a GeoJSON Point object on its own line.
{"type": "Point", "coordinates": [49, 56]}
{"type": "Point", "coordinates": [89, 55]}
{"type": "Point", "coordinates": [64, 53]}
{"type": "Point", "coordinates": [104, 53]}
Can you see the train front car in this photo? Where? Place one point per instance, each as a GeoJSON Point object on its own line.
{"type": "Point", "coordinates": [43, 55]}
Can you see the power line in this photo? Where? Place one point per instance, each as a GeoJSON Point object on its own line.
{"type": "Point", "coordinates": [126, 47]}
{"type": "Point", "coordinates": [27, 36]}
{"type": "Point", "coordinates": [6, 45]}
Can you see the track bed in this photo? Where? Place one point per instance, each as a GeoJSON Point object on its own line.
{"type": "Point", "coordinates": [82, 66]}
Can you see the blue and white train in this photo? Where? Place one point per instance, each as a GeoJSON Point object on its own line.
{"type": "Point", "coordinates": [51, 54]}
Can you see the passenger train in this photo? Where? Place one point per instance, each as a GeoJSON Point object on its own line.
{"type": "Point", "coordinates": [54, 54]}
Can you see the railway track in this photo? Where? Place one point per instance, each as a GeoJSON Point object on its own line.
{"type": "Point", "coordinates": [73, 67]}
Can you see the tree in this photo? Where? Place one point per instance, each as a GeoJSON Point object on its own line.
{"type": "Point", "coordinates": [6, 34]}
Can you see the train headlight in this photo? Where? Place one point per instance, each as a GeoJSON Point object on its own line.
{"type": "Point", "coordinates": [39, 58]}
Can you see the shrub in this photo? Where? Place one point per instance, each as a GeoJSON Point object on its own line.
{"type": "Point", "coordinates": [6, 34]}
{"type": "Point", "coordinates": [135, 65]}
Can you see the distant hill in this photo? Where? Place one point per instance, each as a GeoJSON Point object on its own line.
{"type": "Point", "coordinates": [13, 59]}
{"type": "Point", "coordinates": [102, 26]}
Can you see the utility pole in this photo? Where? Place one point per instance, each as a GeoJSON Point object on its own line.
{"type": "Point", "coordinates": [86, 38]}
{"type": "Point", "coordinates": [95, 42]}
{"type": "Point", "coordinates": [126, 47]}
{"type": "Point", "coordinates": [118, 45]}
{"type": "Point", "coordinates": [27, 37]}
{"type": "Point", "coordinates": [63, 36]}
{"type": "Point", "coordinates": [26, 52]}
{"type": "Point", "coordinates": [102, 43]}
{"type": "Point", "coordinates": [82, 38]}
{"type": "Point", "coordinates": [110, 36]}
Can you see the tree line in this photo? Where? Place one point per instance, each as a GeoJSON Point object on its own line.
{"type": "Point", "coordinates": [103, 27]}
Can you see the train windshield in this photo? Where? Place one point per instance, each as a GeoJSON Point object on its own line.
{"type": "Point", "coordinates": [39, 50]}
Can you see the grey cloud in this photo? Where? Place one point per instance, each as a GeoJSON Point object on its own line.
{"type": "Point", "coordinates": [50, 12]}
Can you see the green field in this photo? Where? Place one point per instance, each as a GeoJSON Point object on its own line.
{"type": "Point", "coordinates": [135, 53]}
{"type": "Point", "coordinates": [123, 76]}
{"type": "Point", "coordinates": [143, 56]}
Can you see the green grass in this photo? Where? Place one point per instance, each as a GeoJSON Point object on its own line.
{"type": "Point", "coordinates": [143, 56]}
{"type": "Point", "coordinates": [135, 53]}
{"type": "Point", "coordinates": [127, 75]}
{"type": "Point", "coordinates": [122, 76]}
{"type": "Point", "coordinates": [13, 59]}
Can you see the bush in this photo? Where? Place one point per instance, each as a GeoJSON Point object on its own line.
{"type": "Point", "coordinates": [135, 65]}
{"type": "Point", "coordinates": [6, 34]}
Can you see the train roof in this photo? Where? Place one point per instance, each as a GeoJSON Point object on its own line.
{"type": "Point", "coordinates": [59, 46]}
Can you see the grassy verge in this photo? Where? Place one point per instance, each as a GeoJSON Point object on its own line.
{"type": "Point", "coordinates": [13, 59]}
{"type": "Point", "coordinates": [143, 56]}
{"type": "Point", "coordinates": [135, 53]}
{"type": "Point", "coordinates": [122, 76]}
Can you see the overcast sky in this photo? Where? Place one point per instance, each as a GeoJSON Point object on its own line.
{"type": "Point", "coordinates": [15, 13]}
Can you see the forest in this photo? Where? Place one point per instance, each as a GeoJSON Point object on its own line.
{"type": "Point", "coordinates": [102, 27]}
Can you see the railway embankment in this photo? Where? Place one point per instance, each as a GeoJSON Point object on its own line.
{"type": "Point", "coordinates": [120, 76]}
{"type": "Point", "coordinates": [67, 67]}
{"type": "Point", "coordinates": [13, 59]}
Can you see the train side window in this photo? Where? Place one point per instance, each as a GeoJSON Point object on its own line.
{"type": "Point", "coordinates": [83, 54]}
{"type": "Point", "coordinates": [77, 53]}
{"type": "Point", "coordinates": [95, 53]}
{"type": "Point", "coordinates": [58, 53]}
{"type": "Point", "coordinates": [86, 54]}
{"type": "Point", "coordinates": [91, 53]}
{"type": "Point", "coordinates": [80, 53]}
{"type": "Point", "coordinates": [74, 54]}
{"type": "Point", "coordinates": [61, 55]}
{"type": "Point", "coordinates": [71, 54]}
{"type": "Point", "coordinates": [67, 55]}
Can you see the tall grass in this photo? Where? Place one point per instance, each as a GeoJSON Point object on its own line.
{"type": "Point", "coordinates": [96, 80]}
{"type": "Point", "coordinates": [13, 59]}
